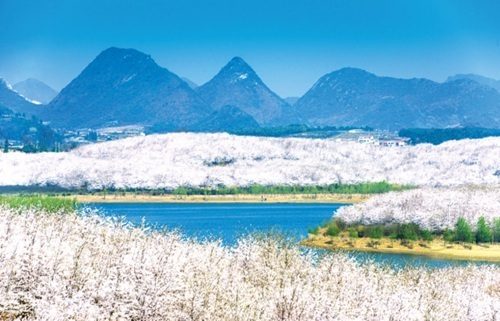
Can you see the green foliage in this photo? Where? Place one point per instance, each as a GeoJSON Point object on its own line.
{"type": "Point", "coordinates": [463, 232]}
{"type": "Point", "coordinates": [410, 231]}
{"type": "Point", "coordinates": [483, 232]}
{"type": "Point", "coordinates": [256, 189]}
{"type": "Point", "coordinates": [47, 203]}
{"type": "Point", "coordinates": [332, 230]}
{"type": "Point", "coordinates": [340, 223]}
{"type": "Point", "coordinates": [313, 231]}
{"type": "Point", "coordinates": [376, 232]}
{"type": "Point", "coordinates": [496, 229]}
{"type": "Point", "coordinates": [449, 236]}
{"type": "Point", "coordinates": [353, 233]}
{"type": "Point", "coordinates": [6, 146]}
{"type": "Point", "coordinates": [427, 236]}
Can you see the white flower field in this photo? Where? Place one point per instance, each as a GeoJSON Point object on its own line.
{"type": "Point", "coordinates": [186, 159]}
{"type": "Point", "coordinates": [84, 267]}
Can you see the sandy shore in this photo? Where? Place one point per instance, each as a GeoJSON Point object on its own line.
{"type": "Point", "coordinates": [436, 248]}
{"type": "Point", "coordinates": [240, 198]}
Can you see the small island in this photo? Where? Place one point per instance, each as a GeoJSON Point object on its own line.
{"type": "Point", "coordinates": [459, 243]}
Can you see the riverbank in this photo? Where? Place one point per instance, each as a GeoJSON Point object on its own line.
{"type": "Point", "coordinates": [237, 198]}
{"type": "Point", "coordinates": [436, 249]}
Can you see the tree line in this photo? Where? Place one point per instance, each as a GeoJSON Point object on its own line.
{"type": "Point", "coordinates": [462, 232]}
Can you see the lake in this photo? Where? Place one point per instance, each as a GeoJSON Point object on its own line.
{"type": "Point", "coordinates": [229, 221]}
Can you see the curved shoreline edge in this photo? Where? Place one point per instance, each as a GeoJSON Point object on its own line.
{"type": "Point", "coordinates": [436, 249]}
{"type": "Point", "coordinates": [237, 198]}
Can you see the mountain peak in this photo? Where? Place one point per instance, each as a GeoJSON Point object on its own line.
{"type": "Point", "coordinates": [35, 90]}
{"type": "Point", "coordinates": [125, 86]}
{"type": "Point", "coordinates": [239, 85]}
{"type": "Point", "coordinates": [237, 70]}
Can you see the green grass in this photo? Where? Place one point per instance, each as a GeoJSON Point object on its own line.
{"type": "Point", "coordinates": [47, 203]}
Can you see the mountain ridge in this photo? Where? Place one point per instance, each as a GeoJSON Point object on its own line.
{"type": "Point", "coordinates": [237, 84]}
{"type": "Point", "coordinates": [35, 90]}
{"type": "Point", "coordinates": [125, 86]}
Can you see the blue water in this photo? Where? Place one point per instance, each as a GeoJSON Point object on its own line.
{"type": "Point", "coordinates": [230, 221]}
{"type": "Point", "coordinates": [225, 221]}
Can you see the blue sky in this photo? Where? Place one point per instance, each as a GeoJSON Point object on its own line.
{"type": "Point", "coordinates": [290, 43]}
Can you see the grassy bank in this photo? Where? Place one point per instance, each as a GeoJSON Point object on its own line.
{"type": "Point", "coordinates": [437, 246]}
{"type": "Point", "coordinates": [39, 202]}
{"type": "Point", "coordinates": [237, 198]}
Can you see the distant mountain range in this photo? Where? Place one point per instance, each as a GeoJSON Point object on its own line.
{"type": "Point", "coordinates": [354, 97]}
{"type": "Point", "coordinates": [11, 99]}
{"type": "Point", "coordinates": [126, 87]}
{"type": "Point", "coordinates": [35, 90]}
{"type": "Point", "coordinates": [479, 79]}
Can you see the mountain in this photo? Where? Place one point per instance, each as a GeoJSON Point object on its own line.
{"type": "Point", "coordinates": [35, 90]}
{"type": "Point", "coordinates": [291, 100]}
{"type": "Point", "coordinates": [238, 85]}
{"type": "Point", "coordinates": [227, 119]}
{"type": "Point", "coordinates": [191, 83]}
{"type": "Point", "coordinates": [125, 86]}
{"type": "Point", "coordinates": [479, 79]}
{"type": "Point", "coordinates": [354, 97]}
{"type": "Point", "coordinates": [14, 101]}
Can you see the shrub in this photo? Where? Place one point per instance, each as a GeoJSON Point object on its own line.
{"type": "Point", "coordinates": [483, 232]}
{"type": "Point", "coordinates": [427, 236]}
{"type": "Point", "coordinates": [361, 231]}
{"type": "Point", "coordinates": [332, 230]}
{"type": "Point", "coordinates": [463, 232]}
{"type": "Point", "coordinates": [353, 233]}
{"type": "Point", "coordinates": [376, 232]}
{"type": "Point", "coordinates": [313, 231]}
{"type": "Point", "coordinates": [341, 224]}
{"type": "Point", "coordinates": [410, 231]}
{"type": "Point", "coordinates": [448, 236]}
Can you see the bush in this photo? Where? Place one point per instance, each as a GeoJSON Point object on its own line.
{"type": "Point", "coordinates": [313, 231]}
{"type": "Point", "coordinates": [341, 224]}
{"type": "Point", "coordinates": [427, 236]}
{"type": "Point", "coordinates": [361, 231]}
{"type": "Point", "coordinates": [376, 232]}
{"type": "Point", "coordinates": [332, 230]}
{"type": "Point", "coordinates": [410, 231]}
{"type": "Point", "coordinates": [463, 232]}
{"type": "Point", "coordinates": [483, 232]}
{"type": "Point", "coordinates": [449, 236]}
{"type": "Point", "coordinates": [353, 233]}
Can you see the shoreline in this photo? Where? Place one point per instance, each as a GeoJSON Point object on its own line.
{"type": "Point", "coordinates": [237, 198]}
{"type": "Point", "coordinates": [436, 249]}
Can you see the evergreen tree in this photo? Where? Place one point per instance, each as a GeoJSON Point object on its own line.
{"type": "Point", "coordinates": [6, 146]}
{"type": "Point", "coordinates": [483, 232]}
{"type": "Point", "coordinates": [496, 229]}
{"type": "Point", "coordinates": [463, 232]}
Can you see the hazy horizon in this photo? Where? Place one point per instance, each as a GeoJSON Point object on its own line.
{"type": "Point", "coordinates": [290, 44]}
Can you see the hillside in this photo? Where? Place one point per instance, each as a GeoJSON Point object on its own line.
{"type": "Point", "coordinates": [14, 101]}
{"type": "Point", "coordinates": [493, 83]}
{"type": "Point", "coordinates": [355, 97]}
{"type": "Point", "coordinates": [237, 84]}
{"type": "Point", "coordinates": [35, 90]}
{"type": "Point", "coordinates": [29, 132]}
{"type": "Point", "coordinates": [183, 159]}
